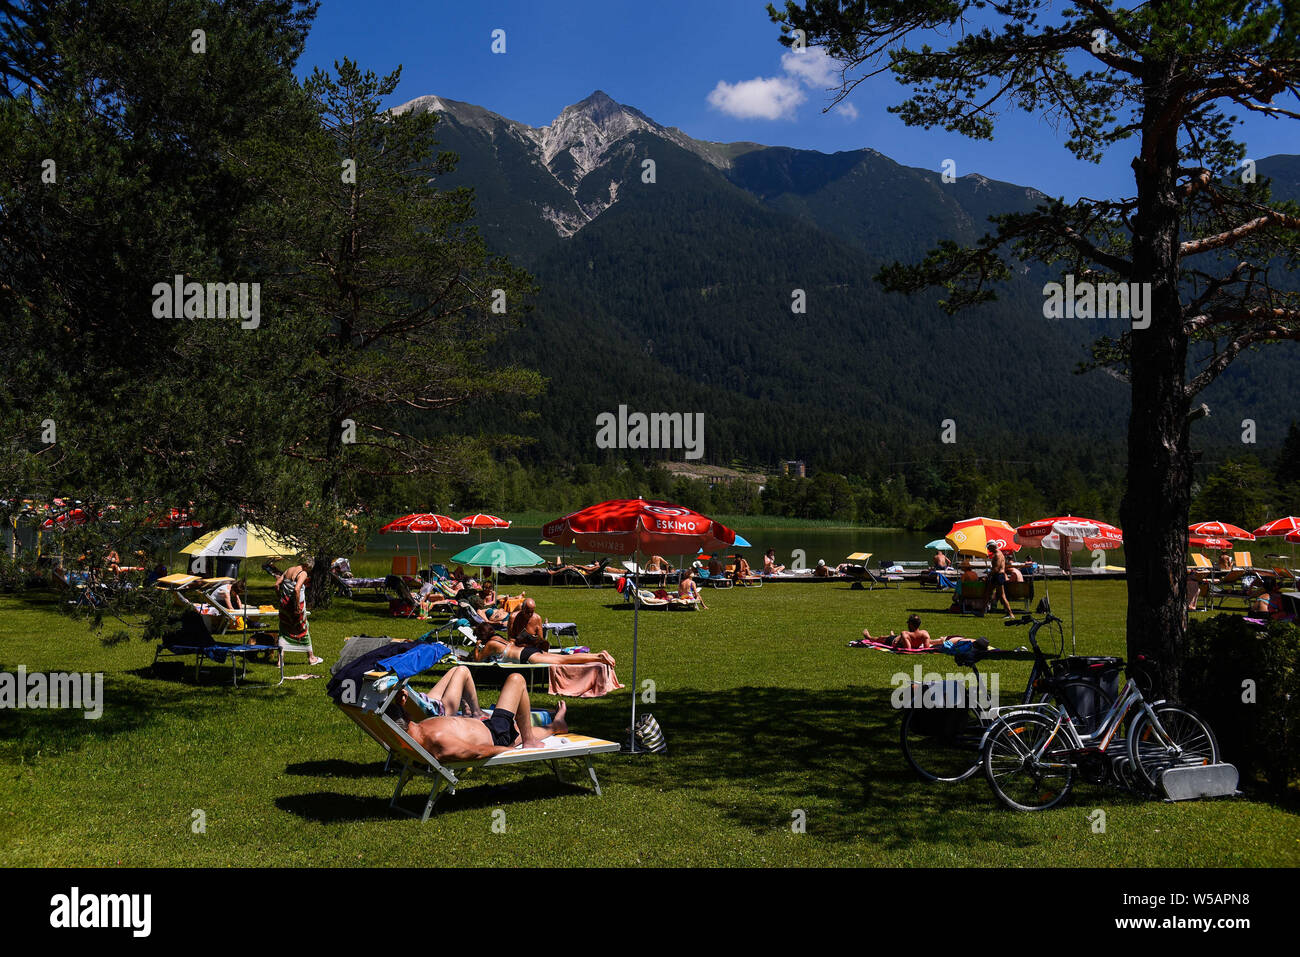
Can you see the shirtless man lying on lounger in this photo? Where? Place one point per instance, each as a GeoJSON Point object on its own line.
{"type": "Point", "coordinates": [455, 737]}
{"type": "Point", "coordinates": [525, 642]}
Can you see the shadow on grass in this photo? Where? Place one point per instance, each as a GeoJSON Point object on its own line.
{"type": "Point", "coordinates": [758, 755]}
{"type": "Point", "coordinates": [30, 735]}
{"type": "Point", "coordinates": [329, 807]}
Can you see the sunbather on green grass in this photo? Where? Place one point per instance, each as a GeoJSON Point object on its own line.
{"type": "Point", "coordinates": [464, 738]}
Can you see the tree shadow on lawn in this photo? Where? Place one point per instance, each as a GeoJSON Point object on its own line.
{"type": "Point", "coordinates": [328, 807]}
{"type": "Point", "coordinates": [30, 735]}
{"type": "Point", "coordinates": [758, 755]}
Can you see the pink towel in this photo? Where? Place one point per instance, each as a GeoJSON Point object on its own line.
{"type": "Point", "coordinates": [582, 681]}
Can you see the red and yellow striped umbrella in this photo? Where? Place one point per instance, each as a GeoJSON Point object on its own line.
{"type": "Point", "coordinates": [973, 535]}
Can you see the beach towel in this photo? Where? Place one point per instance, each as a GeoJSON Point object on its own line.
{"type": "Point", "coordinates": [881, 646]}
{"type": "Point", "coordinates": [582, 681]}
{"type": "Point", "coordinates": [420, 658]}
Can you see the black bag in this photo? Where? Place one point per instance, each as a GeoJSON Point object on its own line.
{"type": "Point", "coordinates": [1093, 685]}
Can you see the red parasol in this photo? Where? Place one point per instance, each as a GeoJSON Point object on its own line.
{"type": "Point", "coordinates": [638, 526]}
{"type": "Point", "coordinates": [1220, 530]}
{"type": "Point", "coordinates": [1279, 528]}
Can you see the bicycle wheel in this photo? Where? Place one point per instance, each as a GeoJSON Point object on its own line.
{"type": "Point", "coordinates": [1086, 702]}
{"type": "Point", "coordinates": [1021, 779]}
{"type": "Point", "coordinates": [942, 744]}
{"type": "Point", "coordinates": [1151, 757]}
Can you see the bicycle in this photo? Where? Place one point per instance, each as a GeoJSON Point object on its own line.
{"type": "Point", "coordinates": [943, 744]}
{"type": "Point", "coordinates": [1032, 753]}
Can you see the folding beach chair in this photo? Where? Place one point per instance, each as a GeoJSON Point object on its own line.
{"type": "Point", "coordinates": [371, 715]}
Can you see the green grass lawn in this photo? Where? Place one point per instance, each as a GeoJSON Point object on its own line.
{"type": "Point", "coordinates": [766, 712]}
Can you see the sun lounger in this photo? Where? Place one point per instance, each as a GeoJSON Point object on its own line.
{"type": "Point", "coordinates": [370, 715]}
{"type": "Point", "coordinates": [749, 581]}
{"type": "Point", "coordinates": [714, 581]}
{"type": "Point", "coordinates": [1238, 583]}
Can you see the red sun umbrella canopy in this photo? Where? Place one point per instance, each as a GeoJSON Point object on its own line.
{"type": "Point", "coordinates": [1201, 541]}
{"type": "Point", "coordinates": [482, 520]}
{"type": "Point", "coordinates": [1292, 537]}
{"type": "Point", "coordinates": [76, 516]}
{"type": "Point", "coordinates": [425, 523]}
{"type": "Point", "coordinates": [1220, 530]}
{"type": "Point", "coordinates": [176, 518]}
{"type": "Point", "coordinates": [628, 526]}
{"type": "Point", "coordinates": [1085, 534]}
{"type": "Point", "coordinates": [1279, 528]}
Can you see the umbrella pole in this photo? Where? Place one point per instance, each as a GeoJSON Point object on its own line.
{"type": "Point", "coordinates": [1073, 648]}
{"type": "Point", "coordinates": [636, 610]}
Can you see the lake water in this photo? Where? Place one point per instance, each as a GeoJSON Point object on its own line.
{"type": "Point", "coordinates": [792, 546]}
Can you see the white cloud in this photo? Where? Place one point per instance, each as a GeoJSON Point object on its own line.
{"type": "Point", "coordinates": [776, 97]}
{"type": "Point", "coordinates": [762, 98]}
{"type": "Point", "coordinates": [813, 66]}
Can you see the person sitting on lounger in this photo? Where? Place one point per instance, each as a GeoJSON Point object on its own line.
{"type": "Point", "coordinates": [822, 570]}
{"type": "Point", "coordinates": [113, 561]}
{"type": "Point", "coordinates": [687, 590]}
{"type": "Point", "coordinates": [913, 636]}
{"type": "Point", "coordinates": [658, 564]}
{"type": "Point", "coordinates": [742, 570]}
{"type": "Point", "coordinates": [770, 567]}
{"type": "Point", "coordinates": [1268, 603]}
{"type": "Point", "coordinates": [429, 598]}
{"type": "Point", "coordinates": [941, 560]}
{"type": "Point", "coordinates": [465, 738]}
{"type": "Point", "coordinates": [716, 569]}
{"type": "Point", "coordinates": [454, 694]}
{"type": "Point", "coordinates": [968, 573]}
{"type": "Point", "coordinates": [1013, 573]}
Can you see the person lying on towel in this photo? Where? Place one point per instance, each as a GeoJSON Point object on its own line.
{"type": "Point", "coordinates": [913, 636]}
{"type": "Point", "coordinates": [465, 738]}
{"type": "Point", "coordinates": [527, 649]}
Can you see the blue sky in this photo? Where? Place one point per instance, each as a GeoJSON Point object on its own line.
{"type": "Point", "coordinates": [668, 58]}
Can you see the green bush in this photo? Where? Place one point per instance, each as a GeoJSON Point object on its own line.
{"type": "Point", "coordinates": [1245, 681]}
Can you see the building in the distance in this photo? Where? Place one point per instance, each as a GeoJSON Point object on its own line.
{"type": "Point", "coordinates": [712, 474]}
{"type": "Point", "coordinates": [795, 467]}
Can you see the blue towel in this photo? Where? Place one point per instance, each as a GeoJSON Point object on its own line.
{"type": "Point", "coordinates": [420, 658]}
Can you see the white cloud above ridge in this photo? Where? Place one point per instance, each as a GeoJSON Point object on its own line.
{"type": "Point", "coordinates": [762, 98]}
{"type": "Point", "coordinates": [778, 97]}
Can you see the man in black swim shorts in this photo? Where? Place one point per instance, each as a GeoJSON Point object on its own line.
{"type": "Point", "coordinates": [997, 581]}
{"type": "Point", "coordinates": [461, 738]}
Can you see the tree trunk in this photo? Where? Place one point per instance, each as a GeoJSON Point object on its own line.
{"type": "Point", "coordinates": [1157, 499]}
{"type": "Point", "coordinates": [318, 582]}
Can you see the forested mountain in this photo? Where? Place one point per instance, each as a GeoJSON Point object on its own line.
{"type": "Point", "coordinates": [676, 295]}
